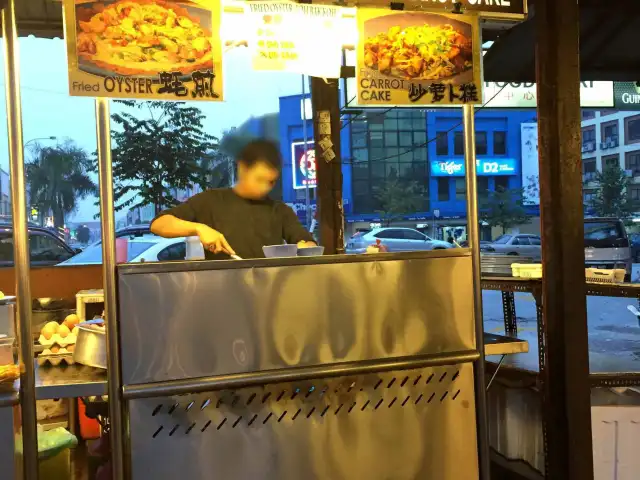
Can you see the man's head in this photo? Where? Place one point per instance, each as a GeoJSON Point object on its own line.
{"type": "Point", "coordinates": [259, 165]}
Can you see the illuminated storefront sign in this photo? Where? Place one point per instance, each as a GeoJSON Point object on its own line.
{"type": "Point", "coordinates": [303, 165]}
{"type": "Point", "coordinates": [485, 166]}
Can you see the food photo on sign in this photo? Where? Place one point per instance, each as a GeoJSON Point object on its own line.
{"type": "Point", "coordinates": [303, 158]}
{"type": "Point", "coordinates": [414, 58]}
{"type": "Point", "coordinates": [152, 49]}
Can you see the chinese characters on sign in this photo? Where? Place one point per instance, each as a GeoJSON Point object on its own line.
{"type": "Point", "coordinates": [417, 58]}
{"type": "Point", "coordinates": [146, 49]}
{"type": "Point", "coordinates": [295, 37]}
{"type": "Point", "coordinates": [303, 159]}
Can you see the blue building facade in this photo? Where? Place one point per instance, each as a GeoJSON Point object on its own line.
{"type": "Point", "coordinates": [424, 146]}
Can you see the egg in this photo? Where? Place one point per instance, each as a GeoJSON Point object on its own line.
{"type": "Point", "coordinates": [63, 331]}
{"type": "Point", "coordinates": [74, 331]}
{"type": "Point", "coordinates": [48, 331]}
{"type": "Point", "coordinates": [53, 325]}
{"type": "Point", "coordinates": [71, 321]}
{"type": "Point", "coordinates": [71, 348]}
{"type": "Point", "coordinates": [55, 349]}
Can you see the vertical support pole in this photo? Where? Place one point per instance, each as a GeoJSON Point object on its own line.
{"type": "Point", "coordinates": [565, 389]}
{"type": "Point", "coordinates": [107, 221]}
{"type": "Point", "coordinates": [20, 241]}
{"type": "Point", "coordinates": [473, 227]}
{"type": "Point", "coordinates": [325, 97]}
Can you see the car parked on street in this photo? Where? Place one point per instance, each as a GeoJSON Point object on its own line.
{"type": "Point", "coordinates": [45, 247]}
{"type": "Point", "coordinates": [606, 244]}
{"type": "Point", "coordinates": [525, 245]}
{"type": "Point", "coordinates": [146, 248]}
{"type": "Point", "coordinates": [395, 240]}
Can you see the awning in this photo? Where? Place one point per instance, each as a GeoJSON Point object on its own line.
{"type": "Point", "coordinates": [42, 18]}
{"type": "Point", "coordinates": [608, 40]}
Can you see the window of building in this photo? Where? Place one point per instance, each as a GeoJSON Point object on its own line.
{"type": "Point", "coordinates": [458, 143]}
{"type": "Point", "coordinates": [389, 146]}
{"type": "Point", "coordinates": [632, 129]}
{"type": "Point", "coordinates": [589, 169]}
{"type": "Point", "coordinates": [634, 192]}
{"type": "Point", "coordinates": [588, 114]}
{"type": "Point", "coordinates": [499, 143]}
{"type": "Point", "coordinates": [632, 162]}
{"type": "Point", "coordinates": [442, 143]}
{"type": "Point", "coordinates": [588, 135]}
{"type": "Point", "coordinates": [443, 189]}
{"type": "Point", "coordinates": [606, 113]}
{"type": "Point", "coordinates": [482, 186]}
{"type": "Point", "coordinates": [501, 183]}
{"type": "Point", "coordinates": [461, 189]}
{"type": "Point", "coordinates": [611, 161]}
{"type": "Point", "coordinates": [481, 143]}
{"type": "Point", "coordinates": [589, 196]}
{"type": "Point", "coordinates": [610, 132]}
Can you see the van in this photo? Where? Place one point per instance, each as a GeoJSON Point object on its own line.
{"type": "Point", "coordinates": [606, 244]}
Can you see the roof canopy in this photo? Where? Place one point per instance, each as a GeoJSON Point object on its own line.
{"type": "Point", "coordinates": [42, 18]}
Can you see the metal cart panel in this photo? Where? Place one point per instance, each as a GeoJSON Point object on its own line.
{"type": "Point", "coordinates": [390, 426]}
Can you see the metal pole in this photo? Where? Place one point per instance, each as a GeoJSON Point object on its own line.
{"type": "Point", "coordinates": [107, 221]}
{"type": "Point", "coordinates": [473, 226]}
{"type": "Point", "coordinates": [304, 135]}
{"type": "Point", "coordinates": [20, 242]}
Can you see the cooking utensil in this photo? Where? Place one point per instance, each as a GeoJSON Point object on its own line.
{"type": "Point", "coordinates": [236, 257]}
{"type": "Point", "coordinates": [310, 251]}
{"type": "Point", "coordinates": [91, 346]}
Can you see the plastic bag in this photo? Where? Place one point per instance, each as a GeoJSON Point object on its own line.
{"type": "Point", "coordinates": [50, 442]}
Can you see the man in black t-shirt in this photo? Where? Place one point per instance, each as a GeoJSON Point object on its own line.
{"type": "Point", "coordinates": [239, 220]}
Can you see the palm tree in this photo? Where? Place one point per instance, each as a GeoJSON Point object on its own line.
{"type": "Point", "coordinates": [57, 177]}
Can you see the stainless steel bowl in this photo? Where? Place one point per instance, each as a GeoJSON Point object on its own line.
{"type": "Point", "coordinates": [91, 347]}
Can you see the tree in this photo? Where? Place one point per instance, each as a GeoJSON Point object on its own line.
{"type": "Point", "coordinates": [397, 197]}
{"type": "Point", "coordinates": [57, 177]}
{"type": "Point", "coordinates": [505, 208]}
{"type": "Point", "coordinates": [611, 198]}
{"type": "Point", "coordinates": [159, 153]}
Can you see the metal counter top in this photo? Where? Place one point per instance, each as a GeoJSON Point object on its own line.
{"type": "Point", "coordinates": [194, 265]}
{"type": "Point", "coordinates": [500, 345]}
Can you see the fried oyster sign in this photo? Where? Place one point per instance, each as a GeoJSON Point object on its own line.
{"type": "Point", "coordinates": [148, 49]}
{"type": "Point", "coordinates": [411, 58]}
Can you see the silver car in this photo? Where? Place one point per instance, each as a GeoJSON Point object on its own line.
{"type": "Point", "coordinates": [395, 239]}
{"type": "Point", "coordinates": [516, 244]}
{"type": "Point", "coordinates": [606, 244]}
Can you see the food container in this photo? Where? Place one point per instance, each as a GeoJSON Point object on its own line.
{"type": "Point", "coordinates": [310, 251]}
{"type": "Point", "coordinates": [280, 251]}
{"type": "Point", "coordinates": [91, 346]}
{"type": "Point", "coordinates": [6, 350]}
{"type": "Point", "coordinates": [89, 303]}
{"type": "Point", "coordinates": [527, 270]}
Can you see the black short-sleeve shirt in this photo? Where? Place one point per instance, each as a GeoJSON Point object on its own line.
{"type": "Point", "coordinates": [247, 225]}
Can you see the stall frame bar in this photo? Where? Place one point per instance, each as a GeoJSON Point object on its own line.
{"type": "Point", "coordinates": [107, 221]}
{"type": "Point", "coordinates": [20, 242]}
{"type": "Point", "coordinates": [473, 237]}
{"type": "Point", "coordinates": [252, 379]}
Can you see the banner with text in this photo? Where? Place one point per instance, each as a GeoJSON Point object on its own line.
{"type": "Point", "coordinates": [295, 37]}
{"type": "Point", "coordinates": [486, 167]}
{"type": "Point", "coordinates": [146, 49]}
{"type": "Point", "coordinates": [416, 58]}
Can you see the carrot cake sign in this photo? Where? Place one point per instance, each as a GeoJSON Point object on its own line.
{"type": "Point", "coordinates": [147, 49]}
{"type": "Point", "coordinates": [417, 58]}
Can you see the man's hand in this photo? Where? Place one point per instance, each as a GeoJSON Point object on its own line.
{"type": "Point", "coordinates": [213, 240]}
{"type": "Point", "coordinates": [303, 244]}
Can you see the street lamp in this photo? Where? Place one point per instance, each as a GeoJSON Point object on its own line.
{"type": "Point", "coordinates": [40, 138]}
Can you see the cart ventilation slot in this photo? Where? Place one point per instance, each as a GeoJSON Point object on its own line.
{"type": "Point", "coordinates": [156, 410]}
{"type": "Point", "coordinates": [206, 425]}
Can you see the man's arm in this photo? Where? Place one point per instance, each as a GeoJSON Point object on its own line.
{"type": "Point", "coordinates": [292, 230]}
{"type": "Point", "coordinates": [169, 226]}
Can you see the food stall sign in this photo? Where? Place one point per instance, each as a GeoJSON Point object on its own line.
{"type": "Point", "coordinates": [417, 58]}
{"type": "Point", "coordinates": [484, 167]}
{"type": "Point", "coordinates": [303, 158]}
{"type": "Point", "coordinates": [295, 37]}
{"type": "Point", "coordinates": [147, 49]}
{"type": "Point", "coordinates": [521, 95]}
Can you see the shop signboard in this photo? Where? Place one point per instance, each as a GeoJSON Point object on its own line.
{"type": "Point", "coordinates": [524, 95]}
{"type": "Point", "coordinates": [627, 95]}
{"type": "Point", "coordinates": [485, 167]}
{"type": "Point", "coordinates": [144, 49]}
{"type": "Point", "coordinates": [303, 158]}
{"type": "Point", "coordinates": [489, 8]}
{"type": "Point", "coordinates": [417, 58]}
{"type": "Point", "coordinates": [295, 37]}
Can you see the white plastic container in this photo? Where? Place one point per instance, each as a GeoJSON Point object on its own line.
{"type": "Point", "coordinates": [195, 250]}
{"type": "Point", "coordinates": [87, 296]}
{"type": "Point", "coordinates": [526, 270]}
